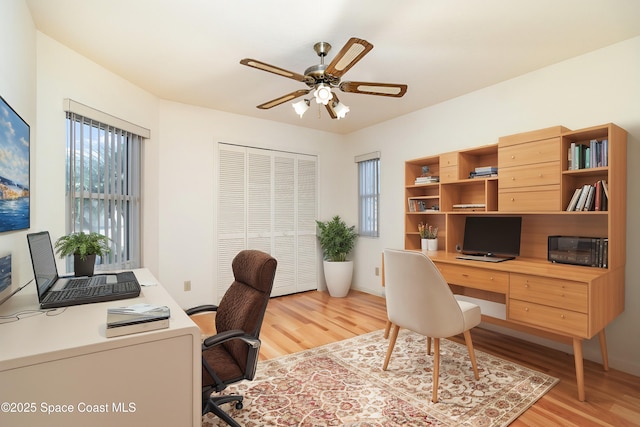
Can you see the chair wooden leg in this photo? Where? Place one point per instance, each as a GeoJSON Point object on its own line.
{"type": "Point", "coordinates": [472, 354]}
{"type": "Point", "coordinates": [428, 346]}
{"type": "Point", "coordinates": [387, 328]}
{"type": "Point", "coordinates": [436, 369]}
{"type": "Point", "coordinates": [392, 343]}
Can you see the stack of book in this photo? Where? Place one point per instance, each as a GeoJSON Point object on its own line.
{"type": "Point", "coordinates": [590, 197]}
{"type": "Point", "coordinates": [470, 207]}
{"type": "Point", "coordinates": [136, 318]}
{"type": "Point", "coordinates": [429, 179]}
{"type": "Point", "coordinates": [484, 172]}
{"type": "Point", "coordinates": [584, 156]}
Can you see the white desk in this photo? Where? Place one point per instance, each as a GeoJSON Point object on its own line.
{"type": "Point", "coordinates": [63, 362]}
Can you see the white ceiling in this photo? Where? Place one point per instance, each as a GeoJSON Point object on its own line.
{"type": "Point", "coordinates": [188, 51]}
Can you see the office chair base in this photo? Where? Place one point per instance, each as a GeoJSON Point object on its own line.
{"type": "Point", "coordinates": [213, 405]}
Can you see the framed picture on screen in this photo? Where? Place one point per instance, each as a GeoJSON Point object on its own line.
{"type": "Point", "coordinates": [14, 170]}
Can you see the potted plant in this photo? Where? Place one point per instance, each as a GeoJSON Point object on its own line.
{"type": "Point", "coordinates": [337, 240]}
{"type": "Point", "coordinates": [428, 237]}
{"type": "Point", "coordinates": [84, 247]}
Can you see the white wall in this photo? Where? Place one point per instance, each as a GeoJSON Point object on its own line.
{"type": "Point", "coordinates": [593, 89]}
{"type": "Point", "coordinates": [187, 161]}
{"type": "Point", "coordinates": [178, 184]}
{"type": "Point", "coordinates": [62, 73]}
{"type": "Point", "coordinates": [18, 88]}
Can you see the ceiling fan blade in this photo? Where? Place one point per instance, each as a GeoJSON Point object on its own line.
{"type": "Point", "coordinates": [282, 99]}
{"type": "Point", "coordinates": [383, 89]}
{"type": "Point", "coordinates": [329, 106]}
{"type": "Point", "coordinates": [272, 69]}
{"type": "Point", "coordinates": [349, 55]}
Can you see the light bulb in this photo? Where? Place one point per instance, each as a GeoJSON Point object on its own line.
{"type": "Point", "coordinates": [323, 94]}
{"type": "Point", "coordinates": [301, 107]}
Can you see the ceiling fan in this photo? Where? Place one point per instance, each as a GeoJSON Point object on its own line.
{"type": "Point", "coordinates": [323, 78]}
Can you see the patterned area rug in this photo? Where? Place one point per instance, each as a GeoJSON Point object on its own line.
{"type": "Point", "coordinates": [343, 384]}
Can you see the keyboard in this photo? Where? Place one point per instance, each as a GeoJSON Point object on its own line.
{"type": "Point", "coordinates": [484, 258]}
{"type": "Point", "coordinates": [93, 291]}
{"type": "Point", "coordinates": [85, 282]}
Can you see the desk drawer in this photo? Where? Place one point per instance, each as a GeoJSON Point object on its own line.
{"type": "Point", "coordinates": [529, 176]}
{"type": "Point", "coordinates": [449, 174]}
{"type": "Point", "coordinates": [449, 159]}
{"type": "Point", "coordinates": [558, 319]}
{"type": "Point", "coordinates": [477, 278]}
{"type": "Point", "coordinates": [530, 201]}
{"type": "Point", "coordinates": [547, 150]}
{"type": "Point", "coordinates": [547, 291]}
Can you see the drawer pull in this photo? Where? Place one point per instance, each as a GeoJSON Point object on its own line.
{"type": "Point", "coordinates": [513, 199]}
{"type": "Point", "coordinates": [513, 156]}
{"type": "Point", "coordinates": [526, 285]}
{"type": "Point", "coordinates": [526, 309]}
{"type": "Point", "coordinates": [465, 275]}
{"type": "Point", "coordinates": [562, 316]}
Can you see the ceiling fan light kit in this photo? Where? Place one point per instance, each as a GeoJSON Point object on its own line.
{"type": "Point", "coordinates": [323, 94]}
{"type": "Point", "coordinates": [323, 78]}
{"type": "Point", "coordinates": [301, 107]}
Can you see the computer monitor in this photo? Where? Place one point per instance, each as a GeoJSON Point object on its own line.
{"type": "Point", "coordinates": [492, 235]}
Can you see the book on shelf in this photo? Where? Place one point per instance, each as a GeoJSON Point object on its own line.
{"type": "Point", "coordinates": [574, 200]}
{"type": "Point", "coordinates": [469, 207]}
{"type": "Point", "coordinates": [590, 197]}
{"type": "Point", "coordinates": [136, 318]}
{"type": "Point", "coordinates": [484, 172]}
{"type": "Point", "coordinates": [585, 156]}
{"type": "Point", "coordinates": [427, 179]}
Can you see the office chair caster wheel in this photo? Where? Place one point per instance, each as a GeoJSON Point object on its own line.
{"type": "Point", "coordinates": [239, 405]}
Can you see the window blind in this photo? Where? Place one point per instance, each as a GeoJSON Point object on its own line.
{"type": "Point", "coordinates": [368, 193]}
{"type": "Point", "coordinates": [103, 187]}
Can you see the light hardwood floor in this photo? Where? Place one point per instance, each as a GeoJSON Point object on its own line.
{"type": "Point", "coordinates": [301, 321]}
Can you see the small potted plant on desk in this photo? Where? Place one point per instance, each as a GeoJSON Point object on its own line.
{"type": "Point", "coordinates": [337, 241]}
{"type": "Point", "coordinates": [428, 237]}
{"type": "Point", "coordinates": [84, 247]}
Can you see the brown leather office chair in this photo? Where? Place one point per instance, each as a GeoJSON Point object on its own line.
{"type": "Point", "coordinates": [419, 299]}
{"type": "Point", "coordinates": [231, 355]}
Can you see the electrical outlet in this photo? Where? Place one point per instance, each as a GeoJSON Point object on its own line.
{"type": "Point", "coordinates": [187, 285]}
{"type": "Point", "coordinates": [377, 271]}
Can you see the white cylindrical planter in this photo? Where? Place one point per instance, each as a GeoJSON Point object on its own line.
{"type": "Point", "coordinates": [432, 244]}
{"type": "Point", "coordinates": [338, 277]}
{"type": "Point", "coordinates": [424, 245]}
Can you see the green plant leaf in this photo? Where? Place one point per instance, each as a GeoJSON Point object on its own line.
{"type": "Point", "coordinates": [82, 244]}
{"type": "Point", "coordinates": [336, 239]}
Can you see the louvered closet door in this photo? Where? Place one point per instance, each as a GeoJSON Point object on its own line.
{"type": "Point", "coordinates": [284, 226]}
{"type": "Point", "coordinates": [231, 224]}
{"type": "Point", "coordinates": [307, 212]}
{"type": "Point", "coordinates": [268, 201]}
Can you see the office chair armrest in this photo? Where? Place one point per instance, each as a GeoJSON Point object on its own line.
{"type": "Point", "coordinates": [201, 309]}
{"type": "Point", "coordinates": [230, 335]}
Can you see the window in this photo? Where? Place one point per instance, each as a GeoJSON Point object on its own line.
{"type": "Point", "coordinates": [103, 186]}
{"type": "Point", "coordinates": [368, 193]}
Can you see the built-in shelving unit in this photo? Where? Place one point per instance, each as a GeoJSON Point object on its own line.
{"type": "Point", "coordinates": [538, 174]}
{"type": "Point", "coordinates": [534, 181]}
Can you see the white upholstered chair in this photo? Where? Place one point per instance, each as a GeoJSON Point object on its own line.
{"type": "Point", "coordinates": [419, 299]}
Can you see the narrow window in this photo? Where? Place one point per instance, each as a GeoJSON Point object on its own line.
{"type": "Point", "coordinates": [369, 194]}
{"type": "Point", "coordinates": [103, 187]}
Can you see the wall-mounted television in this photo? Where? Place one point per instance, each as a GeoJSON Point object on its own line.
{"type": "Point", "coordinates": [14, 170]}
{"type": "Point", "coordinates": [492, 236]}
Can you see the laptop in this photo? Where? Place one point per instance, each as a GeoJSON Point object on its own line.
{"type": "Point", "coordinates": [55, 291]}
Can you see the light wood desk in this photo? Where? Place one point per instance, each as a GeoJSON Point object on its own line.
{"type": "Point", "coordinates": [61, 362]}
{"type": "Point", "coordinates": [562, 302]}
{"type": "Point", "coordinates": [565, 303]}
